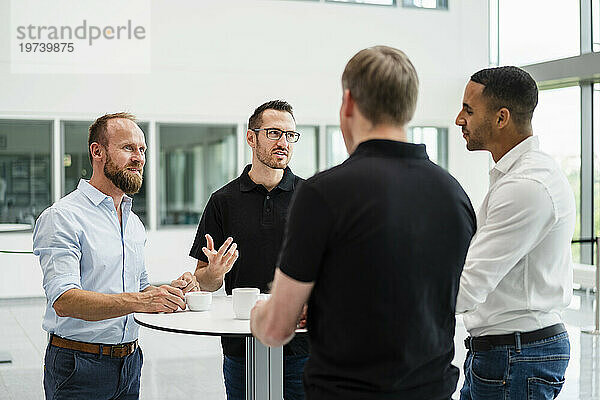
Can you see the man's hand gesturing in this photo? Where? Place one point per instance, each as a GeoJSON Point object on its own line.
{"type": "Point", "coordinates": [221, 261]}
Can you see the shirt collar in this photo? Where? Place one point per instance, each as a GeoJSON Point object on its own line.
{"type": "Point", "coordinates": [286, 183]}
{"type": "Point", "coordinates": [508, 160]}
{"type": "Point", "coordinates": [391, 148]}
{"type": "Point", "coordinates": [96, 196]}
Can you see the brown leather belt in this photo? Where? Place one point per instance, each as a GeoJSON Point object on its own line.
{"type": "Point", "coordinates": [113, 350]}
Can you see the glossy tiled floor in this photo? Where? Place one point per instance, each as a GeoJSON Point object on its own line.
{"type": "Point", "coordinates": [182, 366]}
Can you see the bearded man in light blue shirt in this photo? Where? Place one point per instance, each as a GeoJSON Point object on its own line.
{"type": "Point", "coordinates": [91, 250]}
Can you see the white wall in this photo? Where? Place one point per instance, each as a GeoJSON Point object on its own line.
{"type": "Point", "coordinates": [215, 61]}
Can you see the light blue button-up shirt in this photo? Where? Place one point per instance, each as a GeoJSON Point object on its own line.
{"type": "Point", "coordinates": [81, 245]}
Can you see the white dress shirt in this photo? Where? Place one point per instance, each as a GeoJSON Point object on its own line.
{"type": "Point", "coordinates": [81, 245]}
{"type": "Point", "coordinates": [518, 274]}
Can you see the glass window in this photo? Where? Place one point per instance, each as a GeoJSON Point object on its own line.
{"type": "Point", "coordinates": [305, 160]}
{"type": "Point", "coordinates": [76, 163]}
{"type": "Point", "coordinates": [25, 165]}
{"type": "Point", "coordinates": [596, 25]}
{"type": "Point", "coordinates": [375, 2]}
{"type": "Point", "coordinates": [195, 161]}
{"type": "Point", "coordinates": [336, 148]}
{"type": "Point", "coordinates": [532, 31]}
{"type": "Point", "coordinates": [439, 4]}
{"type": "Point", "coordinates": [561, 138]}
{"type": "Point", "coordinates": [493, 35]}
{"type": "Point", "coordinates": [436, 141]}
{"type": "Point", "coordinates": [596, 172]}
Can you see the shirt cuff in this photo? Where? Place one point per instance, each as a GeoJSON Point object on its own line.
{"type": "Point", "coordinates": [56, 287]}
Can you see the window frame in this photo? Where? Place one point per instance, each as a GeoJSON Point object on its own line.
{"type": "Point", "coordinates": [157, 168]}
{"type": "Point", "coordinates": [441, 141]}
{"type": "Point", "coordinates": [51, 125]}
{"type": "Point", "coordinates": [441, 5]}
{"type": "Point", "coordinates": [579, 71]}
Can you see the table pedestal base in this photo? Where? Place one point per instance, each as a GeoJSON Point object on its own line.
{"type": "Point", "coordinates": [264, 371]}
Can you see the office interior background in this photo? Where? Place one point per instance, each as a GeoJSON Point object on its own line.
{"type": "Point", "coordinates": [212, 63]}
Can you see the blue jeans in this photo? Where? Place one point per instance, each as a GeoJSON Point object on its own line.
{"type": "Point", "coordinates": [234, 372]}
{"type": "Point", "coordinates": [71, 374]}
{"type": "Point", "coordinates": [535, 371]}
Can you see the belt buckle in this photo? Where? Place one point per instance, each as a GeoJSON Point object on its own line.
{"type": "Point", "coordinates": [117, 347]}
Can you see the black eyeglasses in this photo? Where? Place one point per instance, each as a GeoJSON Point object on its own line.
{"type": "Point", "coordinates": [275, 134]}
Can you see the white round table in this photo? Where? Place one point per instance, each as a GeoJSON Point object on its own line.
{"type": "Point", "coordinates": [264, 365]}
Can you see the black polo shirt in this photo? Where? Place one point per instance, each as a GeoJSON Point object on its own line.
{"type": "Point", "coordinates": [255, 218]}
{"type": "Point", "coordinates": [384, 238]}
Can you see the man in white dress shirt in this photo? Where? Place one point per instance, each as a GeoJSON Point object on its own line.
{"type": "Point", "coordinates": [517, 278]}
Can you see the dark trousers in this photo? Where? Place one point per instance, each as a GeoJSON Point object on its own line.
{"type": "Point", "coordinates": [234, 372]}
{"type": "Point", "coordinates": [534, 371]}
{"type": "Point", "coordinates": [71, 374]}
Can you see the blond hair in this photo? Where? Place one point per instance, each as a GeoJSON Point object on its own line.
{"type": "Point", "coordinates": [384, 84]}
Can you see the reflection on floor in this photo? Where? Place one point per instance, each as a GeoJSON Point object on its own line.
{"type": "Point", "coordinates": [185, 366]}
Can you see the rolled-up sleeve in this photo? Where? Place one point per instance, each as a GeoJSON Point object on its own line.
{"type": "Point", "coordinates": [56, 243]}
{"type": "Point", "coordinates": [519, 213]}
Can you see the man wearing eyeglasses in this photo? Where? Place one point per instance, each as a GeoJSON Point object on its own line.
{"type": "Point", "coordinates": [252, 209]}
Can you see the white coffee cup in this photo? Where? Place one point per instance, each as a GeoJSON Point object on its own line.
{"type": "Point", "coordinates": [198, 301]}
{"type": "Point", "coordinates": [243, 301]}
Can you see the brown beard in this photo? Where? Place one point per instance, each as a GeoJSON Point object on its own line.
{"type": "Point", "coordinates": [128, 182]}
{"type": "Point", "coordinates": [267, 157]}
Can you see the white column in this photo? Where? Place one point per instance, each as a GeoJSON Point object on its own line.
{"type": "Point", "coordinates": [152, 176]}
{"type": "Point", "coordinates": [57, 160]}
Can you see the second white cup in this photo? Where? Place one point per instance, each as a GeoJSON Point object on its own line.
{"type": "Point", "coordinates": [243, 301]}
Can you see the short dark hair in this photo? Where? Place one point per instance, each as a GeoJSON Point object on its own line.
{"type": "Point", "coordinates": [384, 84]}
{"type": "Point", "coordinates": [97, 131]}
{"type": "Point", "coordinates": [255, 120]}
{"type": "Point", "coordinates": [509, 87]}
